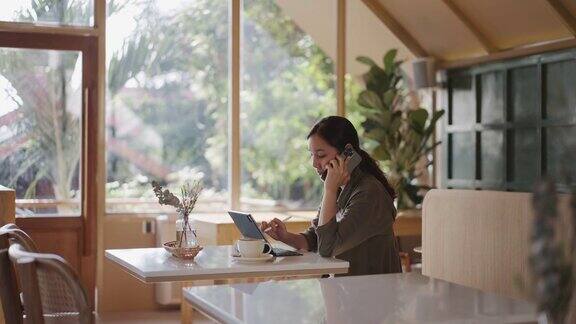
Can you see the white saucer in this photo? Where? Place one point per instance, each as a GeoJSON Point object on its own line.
{"type": "Point", "coordinates": [265, 257]}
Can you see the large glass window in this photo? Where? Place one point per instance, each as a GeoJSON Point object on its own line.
{"type": "Point", "coordinates": [288, 83]}
{"type": "Point", "coordinates": [49, 12]}
{"type": "Point", "coordinates": [524, 127]}
{"type": "Point", "coordinates": [167, 100]}
{"type": "Point", "coordinates": [40, 113]}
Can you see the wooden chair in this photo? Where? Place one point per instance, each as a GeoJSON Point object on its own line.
{"type": "Point", "coordinates": [51, 289]}
{"type": "Point", "coordinates": [16, 235]}
{"type": "Point", "coordinates": [9, 292]}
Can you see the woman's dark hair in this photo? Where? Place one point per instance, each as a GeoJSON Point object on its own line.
{"type": "Point", "coordinates": [339, 131]}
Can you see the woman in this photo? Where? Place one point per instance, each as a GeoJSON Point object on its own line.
{"type": "Point", "coordinates": [355, 219]}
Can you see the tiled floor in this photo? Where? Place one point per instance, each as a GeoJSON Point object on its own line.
{"type": "Point", "coordinates": [159, 317]}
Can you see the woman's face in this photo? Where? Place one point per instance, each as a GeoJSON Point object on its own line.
{"type": "Point", "coordinates": [321, 153]}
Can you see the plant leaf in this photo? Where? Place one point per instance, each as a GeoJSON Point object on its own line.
{"type": "Point", "coordinates": [377, 134]}
{"type": "Point", "coordinates": [396, 122]}
{"type": "Point", "coordinates": [370, 124]}
{"type": "Point", "coordinates": [389, 58]}
{"type": "Point", "coordinates": [389, 98]}
{"type": "Point", "coordinates": [369, 99]}
{"type": "Point", "coordinates": [418, 119]}
{"type": "Point", "coordinates": [386, 118]}
{"type": "Point", "coordinates": [380, 153]}
{"type": "Point", "coordinates": [432, 125]}
{"type": "Point", "coordinates": [375, 117]}
{"type": "Point", "coordinates": [436, 116]}
{"type": "Point", "coordinates": [429, 149]}
{"type": "Point", "coordinates": [366, 60]}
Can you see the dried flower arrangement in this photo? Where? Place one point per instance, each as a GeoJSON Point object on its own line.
{"type": "Point", "coordinates": [189, 195]}
{"type": "Point", "coordinates": [553, 264]}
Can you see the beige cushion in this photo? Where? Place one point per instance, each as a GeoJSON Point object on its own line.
{"type": "Point", "coordinates": [481, 238]}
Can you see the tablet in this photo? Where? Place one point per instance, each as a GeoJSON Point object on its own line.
{"type": "Point", "coordinates": [249, 228]}
{"type": "Point", "coordinates": [247, 225]}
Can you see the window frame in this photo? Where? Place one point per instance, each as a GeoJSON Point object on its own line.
{"type": "Point", "coordinates": [91, 42]}
{"type": "Point", "coordinates": [507, 126]}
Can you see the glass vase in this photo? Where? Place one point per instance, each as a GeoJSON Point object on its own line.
{"type": "Point", "coordinates": [185, 234]}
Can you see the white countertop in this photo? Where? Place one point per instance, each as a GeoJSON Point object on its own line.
{"type": "Point", "coordinates": [390, 298]}
{"type": "Point", "coordinates": [215, 262]}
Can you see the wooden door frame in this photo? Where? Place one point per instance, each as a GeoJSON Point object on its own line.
{"type": "Point", "coordinates": [92, 137]}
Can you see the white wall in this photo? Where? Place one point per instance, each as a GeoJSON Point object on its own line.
{"type": "Point", "coordinates": [366, 35]}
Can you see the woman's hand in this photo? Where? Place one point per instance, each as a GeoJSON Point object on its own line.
{"type": "Point", "coordinates": [337, 174]}
{"type": "Point", "coordinates": [276, 229]}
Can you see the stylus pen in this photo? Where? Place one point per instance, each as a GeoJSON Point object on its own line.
{"type": "Point", "coordinates": [284, 220]}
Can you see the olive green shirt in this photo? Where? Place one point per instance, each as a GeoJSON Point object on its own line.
{"type": "Point", "coordinates": [362, 232]}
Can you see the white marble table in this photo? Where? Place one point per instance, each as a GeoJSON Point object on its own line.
{"type": "Point", "coordinates": [216, 263]}
{"type": "Point", "coordinates": [391, 298]}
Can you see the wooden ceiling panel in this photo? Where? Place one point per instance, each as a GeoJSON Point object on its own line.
{"type": "Point", "coordinates": [513, 23]}
{"type": "Point", "coordinates": [564, 15]}
{"type": "Point", "coordinates": [570, 5]}
{"type": "Point", "coordinates": [435, 27]}
{"type": "Point", "coordinates": [456, 32]}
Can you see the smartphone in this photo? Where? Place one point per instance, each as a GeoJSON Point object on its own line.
{"type": "Point", "coordinates": [354, 160]}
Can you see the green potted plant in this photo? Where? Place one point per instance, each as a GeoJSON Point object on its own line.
{"type": "Point", "coordinates": [552, 257]}
{"type": "Point", "coordinates": [399, 134]}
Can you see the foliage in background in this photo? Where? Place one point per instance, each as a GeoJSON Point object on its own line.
{"type": "Point", "coordinates": [48, 119]}
{"type": "Point", "coordinates": [41, 85]}
{"type": "Point", "coordinates": [401, 134]}
{"type": "Point", "coordinates": [552, 259]}
{"type": "Point", "coordinates": [177, 89]}
{"type": "Point", "coordinates": [60, 12]}
{"type": "Point", "coordinates": [169, 83]}
{"type": "Point", "coordinates": [182, 93]}
{"type": "Point", "coordinates": [552, 262]}
{"type": "Point", "coordinates": [289, 84]}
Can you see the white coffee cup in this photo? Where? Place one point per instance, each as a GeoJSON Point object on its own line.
{"type": "Point", "coordinates": [252, 248]}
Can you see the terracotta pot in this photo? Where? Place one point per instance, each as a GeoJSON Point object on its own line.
{"type": "Point", "coordinates": [414, 212]}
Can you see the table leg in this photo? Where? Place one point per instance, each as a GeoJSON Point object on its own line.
{"type": "Point", "coordinates": [187, 313]}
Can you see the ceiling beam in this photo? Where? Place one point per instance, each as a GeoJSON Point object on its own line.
{"type": "Point", "coordinates": [510, 53]}
{"type": "Point", "coordinates": [564, 15]}
{"type": "Point", "coordinates": [484, 41]}
{"type": "Point", "coordinates": [387, 19]}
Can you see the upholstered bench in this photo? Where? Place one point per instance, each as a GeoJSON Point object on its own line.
{"type": "Point", "coordinates": [480, 239]}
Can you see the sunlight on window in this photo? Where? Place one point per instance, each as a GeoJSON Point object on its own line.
{"type": "Point", "coordinates": [40, 100]}
{"type": "Point", "coordinates": [49, 12]}
{"type": "Point", "coordinates": [167, 102]}
{"type": "Point", "coordinates": [288, 84]}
